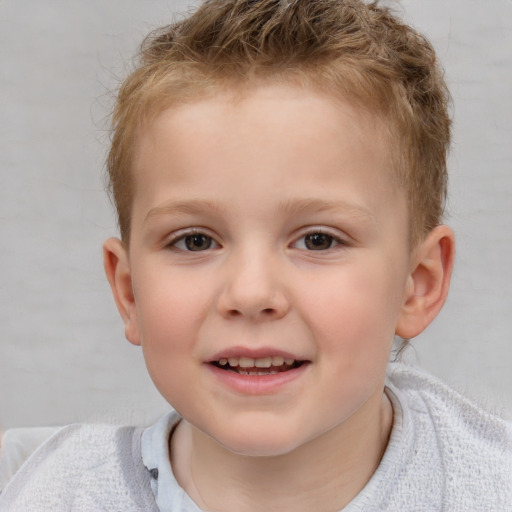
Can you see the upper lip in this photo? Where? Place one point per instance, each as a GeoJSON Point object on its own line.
{"type": "Point", "coordinates": [253, 353]}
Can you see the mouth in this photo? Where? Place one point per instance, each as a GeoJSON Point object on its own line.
{"type": "Point", "coordinates": [271, 365]}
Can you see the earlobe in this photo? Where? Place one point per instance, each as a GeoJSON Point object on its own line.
{"type": "Point", "coordinates": [428, 284]}
{"type": "Point", "coordinates": [117, 269]}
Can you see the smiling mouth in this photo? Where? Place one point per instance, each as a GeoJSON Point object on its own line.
{"type": "Point", "coordinates": [260, 366]}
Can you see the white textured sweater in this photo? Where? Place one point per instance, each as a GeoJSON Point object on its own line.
{"type": "Point", "coordinates": [444, 454]}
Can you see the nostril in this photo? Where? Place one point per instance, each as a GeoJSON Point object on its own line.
{"type": "Point", "coordinates": [251, 305]}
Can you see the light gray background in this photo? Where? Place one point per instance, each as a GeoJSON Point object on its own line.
{"type": "Point", "coordinates": [63, 356]}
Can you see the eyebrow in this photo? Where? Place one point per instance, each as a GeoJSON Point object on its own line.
{"type": "Point", "coordinates": [193, 206]}
{"type": "Point", "coordinates": [289, 206]}
{"type": "Point", "coordinates": [297, 206]}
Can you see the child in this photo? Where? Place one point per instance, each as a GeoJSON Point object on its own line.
{"type": "Point", "coordinates": [279, 172]}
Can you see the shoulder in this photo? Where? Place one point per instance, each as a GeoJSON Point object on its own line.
{"type": "Point", "coordinates": [18, 444]}
{"type": "Point", "coordinates": [426, 396]}
{"type": "Point", "coordinates": [83, 467]}
{"type": "Point", "coordinates": [457, 447]}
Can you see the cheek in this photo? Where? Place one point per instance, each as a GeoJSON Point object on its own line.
{"type": "Point", "coordinates": [168, 316]}
{"type": "Point", "coordinates": [355, 312]}
{"type": "Point", "coordinates": [168, 305]}
{"type": "Point", "coordinates": [168, 342]}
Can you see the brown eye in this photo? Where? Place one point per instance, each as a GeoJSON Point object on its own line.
{"type": "Point", "coordinates": [197, 242]}
{"type": "Point", "coordinates": [318, 241]}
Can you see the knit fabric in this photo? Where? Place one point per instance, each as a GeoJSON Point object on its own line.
{"type": "Point", "coordinates": [444, 454]}
{"type": "Point", "coordinates": [83, 468]}
{"type": "Point", "coordinates": [17, 446]}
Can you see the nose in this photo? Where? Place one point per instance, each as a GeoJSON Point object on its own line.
{"type": "Point", "coordinates": [253, 288]}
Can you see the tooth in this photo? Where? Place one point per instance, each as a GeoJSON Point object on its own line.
{"type": "Point", "coordinates": [246, 362]}
{"type": "Point", "coordinates": [223, 362]}
{"type": "Point", "coordinates": [289, 361]}
{"type": "Point", "coordinates": [277, 361]}
{"type": "Point", "coordinates": [264, 362]}
{"type": "Point", "coordinates": [233, 361]}
{"type": "Point", "coordinates": [262, 373]}
{"type": "Point", "coordinates": [241, 372]}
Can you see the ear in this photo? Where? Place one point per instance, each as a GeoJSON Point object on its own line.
{"type": "Point", "coordinates": [117, 268]}
{"type": "Point", "coordinates": [428, 283]}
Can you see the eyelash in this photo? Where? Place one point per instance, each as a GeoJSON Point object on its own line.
{"type": "Point", "coordinates": [335, 241]}
{"type": "Point", "coordinates": [172, 243]}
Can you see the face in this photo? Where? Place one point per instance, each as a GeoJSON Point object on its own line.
{"type": "Point", "coordinates": [268, 260]}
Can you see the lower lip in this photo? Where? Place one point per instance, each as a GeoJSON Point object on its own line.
{"type": "Point", "coordinates": [256, 384]}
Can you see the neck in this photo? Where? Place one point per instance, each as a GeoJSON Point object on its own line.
{"type": "Point", "coordinates": [324, 474]}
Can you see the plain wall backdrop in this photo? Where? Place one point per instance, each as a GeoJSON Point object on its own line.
{"type": "Point", "coordinates": [63, 357]}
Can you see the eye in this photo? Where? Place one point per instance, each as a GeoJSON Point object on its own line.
{"type": "Point", "coordinates": [194, 242]}
{"type": "Point", "coordinates": [317, 241]}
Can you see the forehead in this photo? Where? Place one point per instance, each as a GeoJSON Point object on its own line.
{"type": "Point", "coordinates": [275, 133]}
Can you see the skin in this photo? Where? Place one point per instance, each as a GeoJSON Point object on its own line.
{"type": "Point", "coordinates": [253, 179]}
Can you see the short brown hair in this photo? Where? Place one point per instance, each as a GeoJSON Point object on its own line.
{"type": "Point", "coordinates": [348, 48]}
